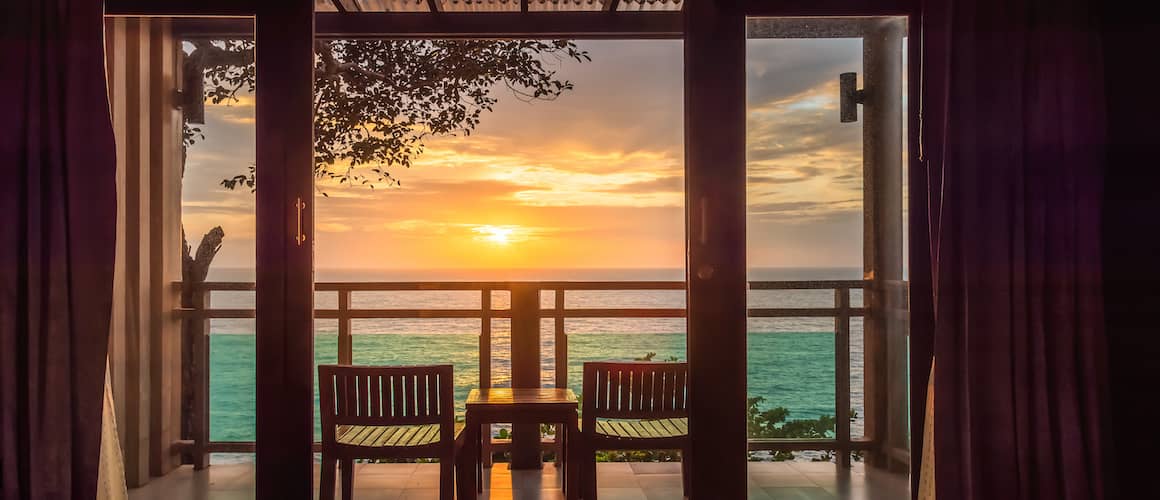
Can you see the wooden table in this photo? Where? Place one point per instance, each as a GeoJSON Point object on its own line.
{"type": "Point", "coordinates": [520, 406]}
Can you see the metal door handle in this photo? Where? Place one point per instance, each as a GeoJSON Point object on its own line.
{"type": "Point", "coordinates": [300, 238]}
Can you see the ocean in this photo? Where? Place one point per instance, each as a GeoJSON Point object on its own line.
{"type": "Point", "coordinates": [791, 360]}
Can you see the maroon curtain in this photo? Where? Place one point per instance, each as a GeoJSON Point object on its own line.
{"type": "Point", "coordinates": [57, 230]}
{"type": "Point", "coordinates": [1131, 245]}
{"type": "Point", "coordinates": [1013, 135]}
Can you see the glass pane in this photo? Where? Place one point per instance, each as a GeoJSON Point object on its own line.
{"type": "Point", "coordinates": [804, 194]}
{"type": "Point", "coordinates": [807, 222]}
{"type": "Point", "coordinates": [565, 165]}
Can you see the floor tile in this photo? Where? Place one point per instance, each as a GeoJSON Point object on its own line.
{"type": "Point", "coordinates": [659, 481]}
{"type": "Point", "coordinates": [620, 494]}
{"type": "Point", "coordinates": [803, 493]}
{"type": "Point", "coordinates": [616, 481]}
{"type": "Point", "coordinates": [655, 467]}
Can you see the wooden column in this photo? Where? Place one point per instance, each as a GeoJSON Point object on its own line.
{"type": "Point", "coordinates": [145, 343]}
{"type": "Point", "coordinates": [715, 240]}
{"type": "Point", "coordinates": [165, 174]}
{"type": "Point", "coordinates": [525, 340]}
{"type": "Point", "coordinates": [134, 386]}
{"type": "Point", "coordinates": [882, 232]}
{"type": "Point", "coordinates": [284, 36]}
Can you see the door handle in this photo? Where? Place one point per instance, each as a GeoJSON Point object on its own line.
{"type": "Point", "coordinates": [300, 237]}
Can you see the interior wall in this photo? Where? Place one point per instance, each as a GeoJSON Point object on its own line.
{"type": "Point", "coordinates": [145, 350]}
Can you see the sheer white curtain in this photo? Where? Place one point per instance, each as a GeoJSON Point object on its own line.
{"type": "Point", "coordinates": [111, 476]}
{"type": "Point", "coordinates": [926, 475]}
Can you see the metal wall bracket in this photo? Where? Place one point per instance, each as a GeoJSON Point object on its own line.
{"type": "Point", "coordinates": [850, 97]}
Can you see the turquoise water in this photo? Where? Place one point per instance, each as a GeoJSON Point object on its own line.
{"type": "Point", "coordinates": [792, 370]}
{"type": "Point", "coordinates": [791, 360]}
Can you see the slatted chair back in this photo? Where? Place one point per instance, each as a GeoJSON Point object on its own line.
{"type": "Point", "coordinates": [386, 395]}
{"type": "Point", "coordinates": [636, 390]}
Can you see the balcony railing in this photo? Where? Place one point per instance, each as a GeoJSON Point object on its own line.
{"type": "Point", "coordinates": [528, 312]}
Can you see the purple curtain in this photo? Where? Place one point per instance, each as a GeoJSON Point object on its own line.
{"type": "Point", "coordinates": [1013, 135]}
{"type": "Point", "coordinates": [1130, 226]}
{"type": "Point", "coordinates": [57, 228]}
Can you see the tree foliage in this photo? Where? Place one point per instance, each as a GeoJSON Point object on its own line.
{"type": "Point", "coordinates": [376, 101]}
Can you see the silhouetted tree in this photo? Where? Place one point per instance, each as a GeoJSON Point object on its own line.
{"type": "Point", "coordinates": [376, 101]}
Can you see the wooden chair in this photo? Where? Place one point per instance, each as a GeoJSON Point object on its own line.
{"type": "Point", "coordinates": [376, 412]}
{"type": "Point", "coordinates": [633, 406]}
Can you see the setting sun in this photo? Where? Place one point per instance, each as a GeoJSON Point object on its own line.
{"type": "Point", "coordinates": [500, 235]}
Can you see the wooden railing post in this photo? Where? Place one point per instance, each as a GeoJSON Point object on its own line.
{"type": "Point", "coordinates": [561, 341]}
{"type": "Point", "coordinates": [896, 312]}
{"type": "Point", "coordinates": [345, 341]}
{"type": "Point", "coordinates": [842, 373]}
{"type": "Point", "coordinates": [525, 340]}
{"type": "Point", "coordinates": [526, 356]}
{"type": "Point", "coordinates": [199, 378]}
{"type": "Point", "coordinates": [485, 365]}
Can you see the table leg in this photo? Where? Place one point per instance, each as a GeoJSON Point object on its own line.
{"type": "Point", "coordinates": [561, 456]}
{"type": "Point", "coordinates": [479, 456]}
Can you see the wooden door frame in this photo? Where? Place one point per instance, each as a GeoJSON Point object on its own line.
{"type": "Point", "coordinates": [715, 269]}
{"type": "Point", "coordinates": [284, 306]}
{"type": "Point", "coordinates": [284, 298]}
{"type": "Point", "coordinates": [714, 35]}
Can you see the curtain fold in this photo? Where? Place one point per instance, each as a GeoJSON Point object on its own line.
{"type": "Point", "coordinates": [57, 227]}
{"type": "Point", "coordinates": [111, 475]}
{"type": "Point", "coordinates": [925, 489]}
{"type": "Point", "coordinates": [1013, 136]}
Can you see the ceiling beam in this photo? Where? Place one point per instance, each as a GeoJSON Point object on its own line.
{"type": "Point", "coordinates": [181, 7]}
{"type": "Point", "coordinates": [577, 25]}
{"type": "Point", "coordinates": [794, 8]}
{"type": "Point", "coordinates": [809, 27]}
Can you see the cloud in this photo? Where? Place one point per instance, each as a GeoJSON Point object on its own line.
{"type": "Point", "coordinates": [332, 227]}
{"type": "Point", "coordinates": [791, 67]}
{"type": "Point", "coordinates": [595, 177]}
{"type": "Point", "coordinates": [436, 229]}
{"type": "Point", "coordinates": [796, 210]}
{"type": "Point", "coordinates": [785, 176]}
{"type": "Point", "coordinates": [667, 184]}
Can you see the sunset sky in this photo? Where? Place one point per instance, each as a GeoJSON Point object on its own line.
{"type": "Point", "coordinates": [591, 180]}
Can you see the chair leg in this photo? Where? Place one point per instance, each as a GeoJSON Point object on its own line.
{"type": "Point", "coordinates": [447, 477]}
{"type": "Point", "coordinates": [685, 476]}
{"type": "Point", "coordinates": [326, 478]}
{"type": "Point", "coordinates": [465, 473]}
{"type": "Point", "coordinates": [588, 476]}
{"type": "Point", "coordinates": [347, 479]}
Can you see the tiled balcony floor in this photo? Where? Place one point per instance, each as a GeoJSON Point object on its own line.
{"type": "Point", "coordinates": [617, 481]}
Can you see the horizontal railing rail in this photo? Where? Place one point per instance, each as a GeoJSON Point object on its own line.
{"type": "Point", "coordinates": [199, 444]}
